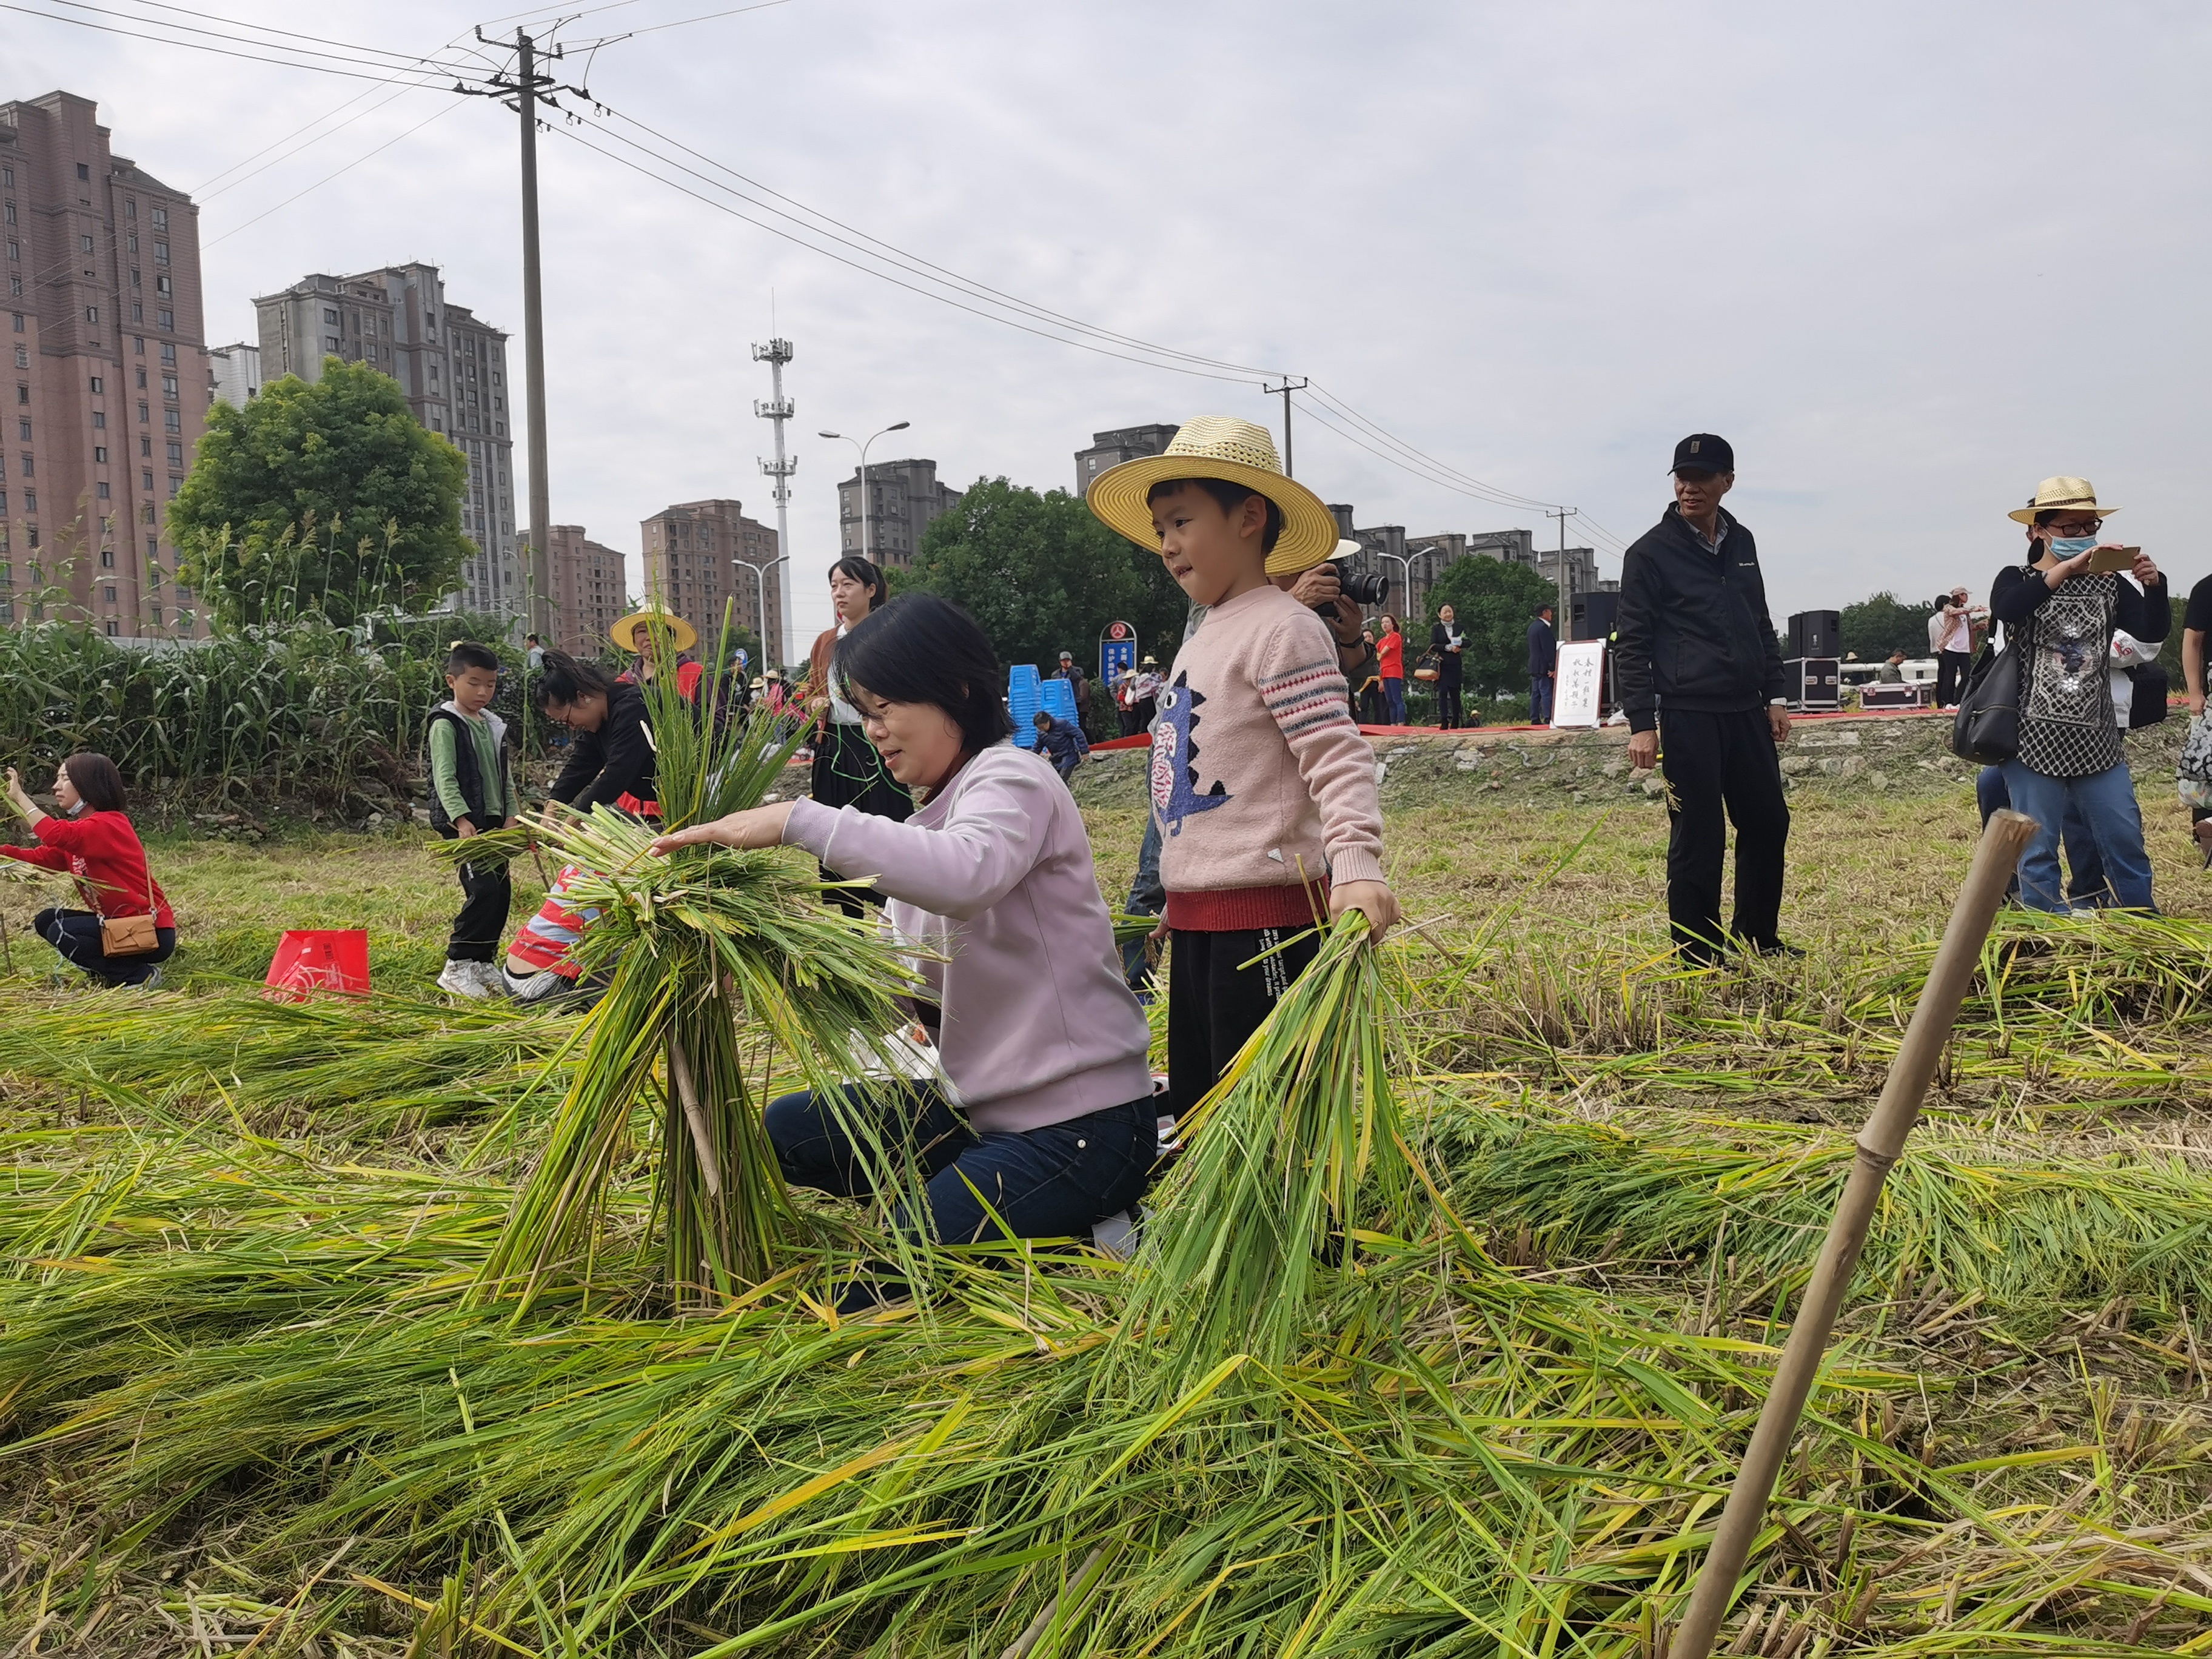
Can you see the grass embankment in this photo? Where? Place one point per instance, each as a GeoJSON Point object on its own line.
{"type": "Point", "coordinates": [247, 1393]}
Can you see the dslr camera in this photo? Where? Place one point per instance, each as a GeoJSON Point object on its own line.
{"type": "Point", "coordinates": [1366, 587]}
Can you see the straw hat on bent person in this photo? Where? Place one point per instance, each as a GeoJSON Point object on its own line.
{"type": "Point", "coordinates": [1220, 446]}
{"type": "Point", "coordinates": [682, 636]}
{"type": "Point", "coordinates": [2061, 496]}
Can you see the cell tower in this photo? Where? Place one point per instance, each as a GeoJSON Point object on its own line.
{"type": "Point", "coordinates": [779, 409]}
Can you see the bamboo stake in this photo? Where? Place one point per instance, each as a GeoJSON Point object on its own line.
{"type": "Point", "coordinates": [701, 1141]}
{"type": "Point", "coordinates": [1880, 1144]}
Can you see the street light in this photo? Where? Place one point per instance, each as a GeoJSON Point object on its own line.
{"type": "Point", "coordinates": [760, 583]}
{"type": "Point", "coordinates": [866, 552]}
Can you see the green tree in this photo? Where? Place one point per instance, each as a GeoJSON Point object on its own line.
{"type": "Point", "coordinates": [1881, 624]}
{"type": "Point", "coordinates": [1493, 603]}
{"type": "Point", "coordinates": [1042, 576]}
{"type": "Point", "coordinates": [331, 497]}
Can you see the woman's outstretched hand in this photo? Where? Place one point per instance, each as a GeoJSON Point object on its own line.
{"type": "Point", "coordinates": [757, 826]}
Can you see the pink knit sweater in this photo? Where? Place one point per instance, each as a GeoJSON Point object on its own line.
{"type": "Point", "coordinates": [1261, 781]}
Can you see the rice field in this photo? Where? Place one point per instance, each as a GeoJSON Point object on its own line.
{"type": "Point", "coordinates": [1474, 1385]}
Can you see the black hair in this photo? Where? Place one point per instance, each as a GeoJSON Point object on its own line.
{"type": "Point", "coordinates": [920, 648]}
{"type": "Point", "coordinates": [1042, 720]}
{"type": "Point", "coordinates": [530, 636]}
{"type": "Point", "coordinates": [864, 571]}
{"type": "Point", "coordinates": [98, 781]}
{"type": "Point", "coordinates": [566, 681]}
{"type": "Point", "coordinates": [467, 654]}
{"type": "Point", "coordinates": [1230, 497]}
{"type": "Point", "coordinates": [1541, 607]}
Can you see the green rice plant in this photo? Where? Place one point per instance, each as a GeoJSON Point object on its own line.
{"type": "Point", "coordinates": [698, 944]}
{"type": "Point", "coordinates": [1296, 1156]}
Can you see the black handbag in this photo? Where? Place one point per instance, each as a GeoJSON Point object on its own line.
{"type": "Point", "coordinates": [2146, 701]}
{"type": "Point", "coordinates": [1986, 729]}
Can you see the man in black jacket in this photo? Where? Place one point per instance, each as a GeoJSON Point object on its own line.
{"type": "Point", "coordinates": [1695, 654]}
{"type": "Point", "coordinates": [1543, 666]}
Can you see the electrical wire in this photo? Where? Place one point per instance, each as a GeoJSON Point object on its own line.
{"type": "Point", "coordinates": [354, 53]}
{"type": "Point", "coordinates": [440, 115]}
{"type": "Point", "coordinates": [571, 134]}
{"type": "Point", "coordinates": [383, 71]}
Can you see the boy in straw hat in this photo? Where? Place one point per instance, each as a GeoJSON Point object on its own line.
{"type": "Point", "coordinates": [1263, 791]}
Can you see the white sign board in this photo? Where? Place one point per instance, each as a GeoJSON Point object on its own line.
{"type": "Point", "coordinates": [1574, 692]}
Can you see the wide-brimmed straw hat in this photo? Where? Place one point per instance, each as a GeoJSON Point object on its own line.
{"type": "Point", "coordinates": [2061, 496]}
{"type": "Point", "coordinates": [1220, 446]}
{"type": "Point", "coordinates": [681, 634]}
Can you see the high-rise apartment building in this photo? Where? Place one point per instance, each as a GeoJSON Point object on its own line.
{"type": "Point", "coordinates": [454, 369]}
{"type": "Point", "coordinates": [589, 597]}
{"type": "Point", "coordinates": [691, 551]}
{"type": "Point", "coordinates": [105, 375]}
{"type": "Point", "coordinates": [1112, 448]}
{"type": "Point", "coordinates": [235, 372]}
{"type": "Point", "coordinates": [904, 499]}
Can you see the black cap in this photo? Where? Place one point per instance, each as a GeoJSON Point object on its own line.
{"type": "Point", "coordinates": [1701, 452]}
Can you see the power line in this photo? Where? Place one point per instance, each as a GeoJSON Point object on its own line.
{"type": "Point", "coordinates": [443, 111]}
{"type": "Point", "coordinates": [195, 46]}
{"type": "Point", "coordinates": [352, 53]}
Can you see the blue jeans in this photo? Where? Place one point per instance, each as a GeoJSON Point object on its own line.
{"type": "Point", "coordinates": [1052, 1182]}
{"type": "Point", "coordinates": [1539, 699]}
{"type": "Point", "coordinates": [2085, 877]}
{"type": "Point", "coordinates": [1148, 897]}
{"type": "Point", "coordinates": [2107, 803]}
{"type": "Point", "coordinates": [1394, 694]}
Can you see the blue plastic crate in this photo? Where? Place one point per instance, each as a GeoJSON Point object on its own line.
{"type": "Point", "coordinates": [1024, 698]}
{"type": "Point", "coordinates": [1060, 700]}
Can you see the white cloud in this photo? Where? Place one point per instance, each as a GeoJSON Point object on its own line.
{"type": "Point", "coordinates": [1910, 259]}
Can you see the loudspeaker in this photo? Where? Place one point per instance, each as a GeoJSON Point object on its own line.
{"type": "Point", "coordinates": [1596, 616]}
{"type": "Point", "coordinates": [1816, 633]}
{"type": "Point", "coordinates": [1814, 681]}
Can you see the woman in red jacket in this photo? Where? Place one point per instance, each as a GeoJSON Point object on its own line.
{"type": "Point", "coordinates": [95, 843]}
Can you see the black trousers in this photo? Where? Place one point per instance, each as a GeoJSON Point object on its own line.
{"type": "Point", "coordinates": [486, 895]}
{"type": "Point", "coordinates": [76, 934]}
{"type": "Point", "coordinates": [1448, 717]}
{"type": "Point", "coordinates": [1951, 668]}
{"type": "Point", "coordinates": [1721, 770]}
{"type": "Point", "coordinates": [1215, 1002]}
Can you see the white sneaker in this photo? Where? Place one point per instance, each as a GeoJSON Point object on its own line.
{"type": "Point", "coordinates": [463, 979]}
{"type": "Point", "coordinates": [489, 976]}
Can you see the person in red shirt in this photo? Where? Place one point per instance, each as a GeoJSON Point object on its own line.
{"type": "Point", "coordinates": [1390, 649]}
{"type": "Point", "coordinates": [95, 843]}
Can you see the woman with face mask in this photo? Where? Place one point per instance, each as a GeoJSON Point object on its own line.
{"type": "Point", "coordinates": [2059, 615]}
{"type": "Point", "coordinates": [94, 841]}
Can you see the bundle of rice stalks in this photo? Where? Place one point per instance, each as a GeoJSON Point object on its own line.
{"type": "Point", "coordinates": [370, 1065]}
{"type": "Point", "coordinates": [2017, 1222]}
{"type": "Point", "coordinates": [1295, 1160]}
{"type": "Point", "coordinates": [698, 944]}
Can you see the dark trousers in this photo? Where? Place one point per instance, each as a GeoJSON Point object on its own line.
{"type": "Point", "coordinates": [486, 895]}
{"type": "Point", "coordinates": [1449, 716]}
{"type": "Point", "coordinates": [1218, 996]}
{"type": "Point", "coordinates": [1052, 1182]}
{"type": "Point", "coordinates": [1721, 770]}
{"type": "Point", "coordinates": [76, 934]}
{"type": "Point", "coordinates": [1951, 668]}
{"type": "Point", "coordinates": [1539, 699]}
{"type": "Point", "coordinates": [1148, 897]}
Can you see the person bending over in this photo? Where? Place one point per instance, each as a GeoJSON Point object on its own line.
{"type": "Point", "coordinates": [1063, 744]}
{"type": "Point", "coordinates": [1043, 1045]}
{"type": "Point", "coordinates": [95, 843]}
{"type": "Point", "coordinates": [610, 762]}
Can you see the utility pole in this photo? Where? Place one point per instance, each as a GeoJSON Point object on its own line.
{"type": "Point", "coordinates": [1567, 588]}
{"type": "Point", "coordinates": [1287, 387]}
{"type": "Point", "coordinates": [778, 409]}
{"type": "Point", "coordinates": [534, 346]}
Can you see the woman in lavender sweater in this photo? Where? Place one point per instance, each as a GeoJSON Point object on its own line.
{"type": "Point", "coordinates": [1048, 1119]}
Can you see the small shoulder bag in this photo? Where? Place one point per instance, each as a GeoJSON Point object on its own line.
{"type": "Point", "coordinates": [131, 936]}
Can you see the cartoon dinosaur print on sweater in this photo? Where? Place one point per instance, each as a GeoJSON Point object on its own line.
{"type": "Point", "coordinates": [1175, 778]}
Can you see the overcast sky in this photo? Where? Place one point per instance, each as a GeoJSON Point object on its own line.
{"type": "Point", "coordinates": [1909, 258]}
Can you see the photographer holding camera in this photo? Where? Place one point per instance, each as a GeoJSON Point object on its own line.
{"type": "Point", "coordinates": [1339, 600]}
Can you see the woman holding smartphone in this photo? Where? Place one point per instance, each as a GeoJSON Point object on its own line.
{"type": "Point", "coordinates": [2059, 613]}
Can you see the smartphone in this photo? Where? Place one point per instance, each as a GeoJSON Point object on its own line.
{"type": "Point", "coordinates": [2108, 561]}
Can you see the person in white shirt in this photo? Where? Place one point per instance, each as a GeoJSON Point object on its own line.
{"type": "Point", "coordinates": [1951, 637]}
